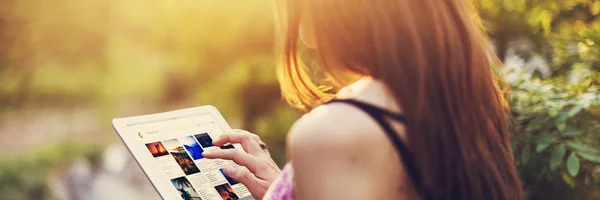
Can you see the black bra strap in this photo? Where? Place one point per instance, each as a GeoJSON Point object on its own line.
{"type": "Point", "coordinates": [378, 114]}
{"type": "Point", "coordinates": [369, 108]}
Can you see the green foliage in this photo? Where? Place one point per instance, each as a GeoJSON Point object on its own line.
{"type": "Point", "coordinates": [557, 156]}
{"type": "Point", "coordinates": [26, 175]}
{"type": "Point", "coordinates": [556, 125]}
{"type": "Point", "coordinates": [558, 119]}
{"type": "Point", "coordinates": [573, 164]}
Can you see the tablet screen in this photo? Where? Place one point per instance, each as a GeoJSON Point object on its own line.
{"type": "Point", "coordinates": [170, 146]}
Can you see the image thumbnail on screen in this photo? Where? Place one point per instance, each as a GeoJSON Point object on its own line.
{"type": "Point", "coordinates": [157, 149]}
{"type": "Point", "coordinates": [185, 189]}
{"type": "Point", "coordinates": [181, 156]}
{"type": "Point", "coordinates": [226, 192]}
{"type": "Point", "coordinates": [205, 140]}
{"type": "Point", "coordinates": [192, 147]}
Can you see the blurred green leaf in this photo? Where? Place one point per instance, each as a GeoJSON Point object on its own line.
{"type": "Point", "coordinates": [575, 110]}
{"type": "Point", "coordinates": [533, 127]}
{"type": "Point", "coordinates": [571, 133]}
{"type": "Point", "coordinates": [581, 147]}
{"type": "Point", "coordinates": [544, 142]}
{"type": "Point", "coordinates": [562, 117]}
{"type": "Point", "coordinates": [553, 112]}
{"type": "Point", "coordinates": [573, 165]}
{"type": "Point", "coordinates": [561, 127]}
{"type": "Point", "coordinates": [590, 157]}
{"type": "Point", "coordinates": [557, 156]}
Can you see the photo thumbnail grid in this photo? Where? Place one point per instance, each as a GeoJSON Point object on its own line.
{"type": "Point", "coordinates": [184, 150]}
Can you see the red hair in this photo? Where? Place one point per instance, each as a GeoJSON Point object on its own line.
{"type": "Point", "coordinates": [434, 58]}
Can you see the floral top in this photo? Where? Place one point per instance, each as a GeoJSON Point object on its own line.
{"type": "Point", "coordinates": [283, 187]}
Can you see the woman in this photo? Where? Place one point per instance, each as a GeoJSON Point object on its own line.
{"type": "Point", "coordinates": [426, 119]}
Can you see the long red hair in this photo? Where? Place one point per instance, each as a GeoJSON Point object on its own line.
{"type": "Point", "coordinates": [434, 58]}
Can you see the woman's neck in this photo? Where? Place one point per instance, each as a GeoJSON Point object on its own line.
{"type": "Point", "coordinates": [355, 88]}
{"type": "Point", "coordinates": [371, 91]}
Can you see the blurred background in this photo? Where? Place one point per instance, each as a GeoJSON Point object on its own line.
{"type": "Point", "coordinates": [68, 67]}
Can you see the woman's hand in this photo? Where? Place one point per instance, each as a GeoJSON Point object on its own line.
{"type": "Point", "coordinates": [258, 171]}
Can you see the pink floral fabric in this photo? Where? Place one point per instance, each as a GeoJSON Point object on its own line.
{"type": "Point", "coordinates": [283, 187]}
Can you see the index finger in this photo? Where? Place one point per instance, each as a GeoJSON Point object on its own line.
{"type": "Point", "coordinates": [246, 139]}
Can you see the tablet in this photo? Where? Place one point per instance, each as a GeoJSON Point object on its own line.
{"type": "Point", "coordinates": [168, 147]}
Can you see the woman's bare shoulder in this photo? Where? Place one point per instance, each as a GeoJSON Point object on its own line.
{"type": "Point", "coordinates": [337, 125]}
{"type": "Point", "coordinates": [343, 123]}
